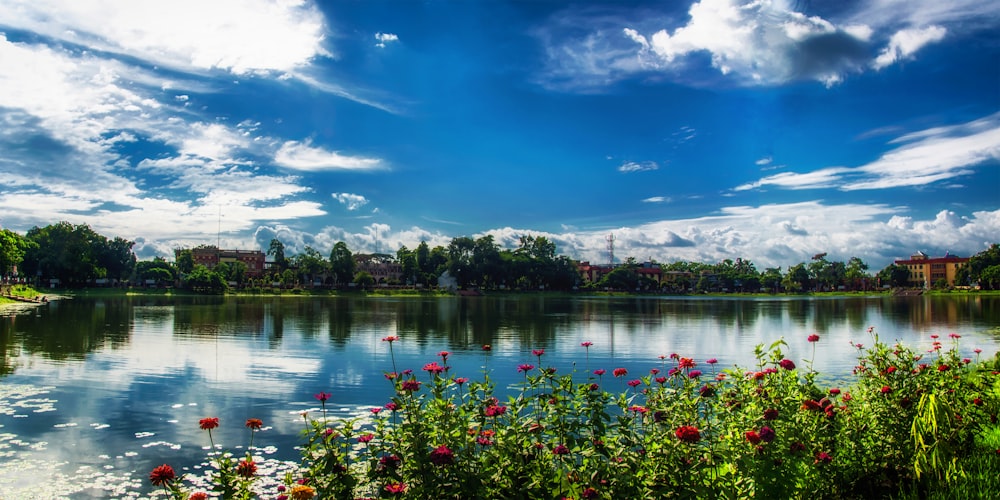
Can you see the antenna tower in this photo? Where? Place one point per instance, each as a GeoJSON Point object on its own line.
{"type": "Point", "coordinates": [611, 249]}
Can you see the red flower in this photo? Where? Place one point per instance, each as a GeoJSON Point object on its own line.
{"type": "Point", "coordinates": [444, 355]}
{"type": "Point", "coordinates": [834, 391]}
{"type": "Point", "coordinates": [560, 449]}
{"type": "Point", "coordinates": [433, 367]}
{"type": "Point", "coordinates": [442, 456]}
{"type": "Point", "coordinates": [661, 380]}
{"type": "Point", "coordinates": [890, 370]}
{"type": "Point", "coordinates": [390, 339]}
{"type": "Point", "coordinates": [395, 487]}
{"type": "Point", "coordinates": [634, 383]}
{"type": "Point", "coordinates": [495, 410]}
{"type": "Point", "coordinates": [600, 371]}
{"type": "Point", "coordinates": [620, 372]}
{"type": "Point", "coordinates": [322, 396]}
{"type": "Point", "coordinates": [823, 457]}
{"type": "Point", "coordinates": [538, 352]}
{"type": "Point", "coordinates": [525, 367]}
{"type": "Point", "coordinates": [943, 368]}
{"type": "Point", "coordinates": [586, 344]}
{"type": "Point", "coordinates": [254, 423]}
{"type": "Point", "coordinates": [208, 424]}
{"type": "Point", "coordinates": [707, 391]}
{"type": "Point", "coordinates": [711, 361]}
{"type": "Point", "coordinates": [686, 363]}
{"type": "Point", "coordinates": [589, 493]}
{"type": "Point", "coordinates": [694, 373]}
{"type": "Point", "coordinates": [811, 405]}
{"type": "Point", "coordinates": [767, 434]}
{"type": "Point", "coordinates": [246, 468]}
{"type": "Point", "coordinates": [813, 338]}
{"type": "Point", "coordinates": [637, 409]}
{"type": "Point", "coordinates": [391, 406]}
{"type": "Point", "coordinates": [787, 364]}
{"type": "Point", "coordinates": [770, 414]}
{"type": "Point", "coordinates": [366, 438]}
{"type": "Point", "coordinates": [198, 495]}
{"type": "Point", "coordinates": [410, 385]}
{"type": "Point", "coordinates": [486, 347]}
{"type": "Point", "coordinates": [752, 436]}
{"type": "Point", "coordinates": [886, 389]}
{"type": "Point", "coordinates": [162, 475]}
{"type": "Point", "coordinates": [688, 434]}
{"type": "Point", "coordinates": [461, 380]}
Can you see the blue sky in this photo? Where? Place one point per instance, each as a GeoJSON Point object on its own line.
{"type": "Point", "coordinates": [768, 130]}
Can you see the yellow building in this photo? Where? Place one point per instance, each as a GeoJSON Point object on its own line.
{"type": "Point", "coordinates": [926, 271]}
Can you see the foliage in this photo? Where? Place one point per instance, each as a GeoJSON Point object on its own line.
{"type": "Point", "coordinates": [13, 247]}
{"type": "Point", "coordinates": [341, 263]}
{"type": "Point", "coordinates": [911, 424]}
{"type": "Point", "coordinates": [203, 280]}
{"type": "Point", "coordinates": [76, 254]}
{"type": "Point", "coordinates": [984, 268]}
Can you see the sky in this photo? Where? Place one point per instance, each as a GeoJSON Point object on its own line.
{"type": "Point", "coordinates": [766, 130]}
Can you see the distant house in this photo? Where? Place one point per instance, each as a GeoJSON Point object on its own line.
{"type": "Point", "coordinates": [925, 271]}
{"type": "Point", "coordinates": [211, 256]}
{"type": "Point", "coordinates": [382, 267]}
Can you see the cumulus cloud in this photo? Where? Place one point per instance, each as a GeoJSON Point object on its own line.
{"type": "Point", "coordinates": [351, 201]}
{"type": "Point", "coordinates": [748, 42]}
{"type": "Point", "coordinates": [239, 36]}
{"type": "Point", "coordinates": [383, 38]}
{"type": "Point", "coordinates": [303, 156]}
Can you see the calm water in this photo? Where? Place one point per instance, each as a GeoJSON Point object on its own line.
{"type": "Point", "coordinates": [94, 393]}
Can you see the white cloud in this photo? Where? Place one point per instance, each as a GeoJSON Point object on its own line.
{"type": "Point", "coordinates": [656, 199]}
{"type": "Point", "coordinates": [749, 42]}
{"type": "Point", "coordinates": [922, 158]}
{"type": "Point", "coordinates": [632, 166]}
{"type": "Point", "coordinates": [302, 156]}
{"type": "Point", "coordinates": [351, 201]}
{"type": "Point", "coordinates": [383, 38]}
{"type": "Point", "coordinates": [240, 36]}
{"type": "Point", "coordinates": [763, 162]}
{"type": "Point", "coordinates": [905, 43]}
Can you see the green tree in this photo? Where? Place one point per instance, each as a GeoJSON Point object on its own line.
{"type": "Point", "coordinates": [157, 269]}
{"type": "Point", "coordinates": [311, 264]}
{"type": "Point", "coordinates": [460, 264]}
{"type": "Point", "coordinates": [895, 276]}
{"type": "Point", "coordinates": [973, 270]}
{"type": "Point", "coordinates": [408, 263]}
{"type": "Point", "coordinates": [989, 278]}
{"type": "Point", "coordinates": [856, 275]}
{"type": "Point", "coordinates": [75, 254]}
{"type": "Point", "coordinates": [797, 278]}
{"type": "Point", "coordinates": [276, 250]}
{"type": "Point", "coordinates": [771, 278]}
{"type": "Point", "coordinates": [341, 263]}
{"type": "Point", "coordinates": [13, 246]}
{"type": "Point", "coordinates": [364, 280]}
{"type": "Point", "coordinates": [203, 280]}
{"type": "Point", "coordinates": [184, 260]}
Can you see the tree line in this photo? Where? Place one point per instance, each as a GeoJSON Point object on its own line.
{"type": "Point", "coordinates": [75, 255]}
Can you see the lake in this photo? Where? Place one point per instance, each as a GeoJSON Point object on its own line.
{"type": "Point", "coordinates": [94, 393]}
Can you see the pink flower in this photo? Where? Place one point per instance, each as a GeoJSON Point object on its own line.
{"type": "Point", "coordinates": [694, 373]}
{"type": "Point", "coordinates": [686, 363]}
{"type": "Point", "coordinates": [767, 434]}
{"type": "Point", "coordinates": [954, 335]}
{"type": "Point", "coordinates": [433, 367]}
{"type": "Point", "coordinates": [376, 410]}
{"type": "Point", "coordinates": [586, 344]}
{"type": "Point", "coordinates": [634, 383]}
{"type": "Point", "coordinates": [444, 355]}
{"type": "Point", "coordinates": [770, 414]}
{"type": "Point", "coordinates": [620, 372]}
{"type": "Point", "coordinates": [787, 364]}
{"type": "Point", "coordinates": [711, 361]}
{"type": "Point", "coordinates": [637, 409]}
{"type": "Point", "coordinates": [538, 352]}
{"type": "Point", "coordinates": [560, 450]}
{"type": "Point", "coordinates": [813, 338]}
{"type": "Point", "coordinates": [525, 367]}
{"type": "Point", "coordinates": [495, 410]}
{"type": "Point", "coordinates": [661, 380]}
{"type": "Point", "coordinates": [600, 371]}
{"type": "Point", "coordinates": [823, 457]}
{"type": "Point", "coordinates": [461, 380]}
{"type": "Point", "coordinates": [323, 396]}
{"type": "Point", "coordinates": [410, 385]}
{"type": "Point", "coordinates": [391, 406]}
{"type": "Point", "coordinates": [390, 339]}
{"type": "Point", "coordinates": [366, 438]}
{"type": "Point", "coordinates": [395, 488]}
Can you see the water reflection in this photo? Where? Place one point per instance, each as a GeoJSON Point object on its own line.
{"type": "Point", "coordinates": [122, 382]}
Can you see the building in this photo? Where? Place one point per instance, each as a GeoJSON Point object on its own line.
{"type": "Point", "coordinates": [926, 271]}
{"type": "Point", "coordinates": [211, 256]}
{"type": "Point", "coordinates": [382, 267]}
